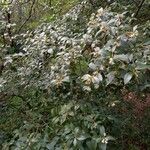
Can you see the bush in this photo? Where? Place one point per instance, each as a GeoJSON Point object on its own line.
{"type": "Point", "coordinates": [71, 82]}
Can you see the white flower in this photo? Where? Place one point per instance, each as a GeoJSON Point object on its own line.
{"type": "Point", "coordinates": [87, 38]}
{"type": "Point", "coordinates": [50, 51]}
{"type": "Point", "coordinates": [104, 140]}
{"type": "Point", "coordinates": [87, 79]}
{"type": "Point", "coordinates": [97, 49]}
{"type": "Point", "coordinates": [97, 78]}
{"type": "Point", "coordinates": [100, 12]}
{"type": "Point", "coordinates": [111, 61]}
{"type": "Point", "coordinates": [104, 27]}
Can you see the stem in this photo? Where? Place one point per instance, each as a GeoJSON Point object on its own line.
{"type": "Point", "coordinates": [30, 14]}
{"type": "Point", "coordinates": [139, 8]}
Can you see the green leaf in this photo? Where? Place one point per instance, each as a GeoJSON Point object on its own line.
{"type": "Point", "coordinates": [82, 137]}
{"type": "Point", "coordinates": [127, 78]}
{"type": "Point", "coordinates": [122, 57]}
{"type": "Point", "coordinates": [102, 130]}
{"type": "Point", "coordinates": [80, 145]}
{"type": "Point", "coordinates": [92, 145]}
{"type": "Point", "coordinates": [142, 66]}
{"type": "Point", "coordinates": [110, 138]}
{"type": "Point", "coordinates": [110, 77]}
{"type": "Point", "coordinates": [52, 144]}
{"type": "Point", "coordinates": [103, 146]}
{"type": "Point", "coordinates": [75, 142]}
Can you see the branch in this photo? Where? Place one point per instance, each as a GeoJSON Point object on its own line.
{"type": "Point", "coordinates": [30, 14]}
{"type": "Point", "coordinates": [136, 3]}
{"type": "Point", "coordinates": [139, 8]}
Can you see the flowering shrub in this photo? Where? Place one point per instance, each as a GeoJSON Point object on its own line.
{"type": "Point", "coordinates": [105, 53]}
{"type": "Point", "coordinates": [63, 61]}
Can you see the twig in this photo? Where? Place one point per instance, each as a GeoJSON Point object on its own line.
{"type": "Point", "coordinates": [136, 3]}
{"type": "Point", "coordinates": [139, 7]}
{"type": "Point", "coordinates": [30, 14]}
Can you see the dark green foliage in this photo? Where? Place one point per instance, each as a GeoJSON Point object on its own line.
{"type": "Point", "coordinates": [80, 82]}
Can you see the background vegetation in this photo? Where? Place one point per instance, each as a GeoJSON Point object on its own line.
{"type": "Point", "coordinates": [74, 75]}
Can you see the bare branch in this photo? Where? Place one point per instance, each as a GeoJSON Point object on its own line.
{"type": "Point", "coordinates": [136, 3]}
{"type": "Point", "coordinates": [139, 8]}
{"type": "Point", "coordinates": [30, 14]}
